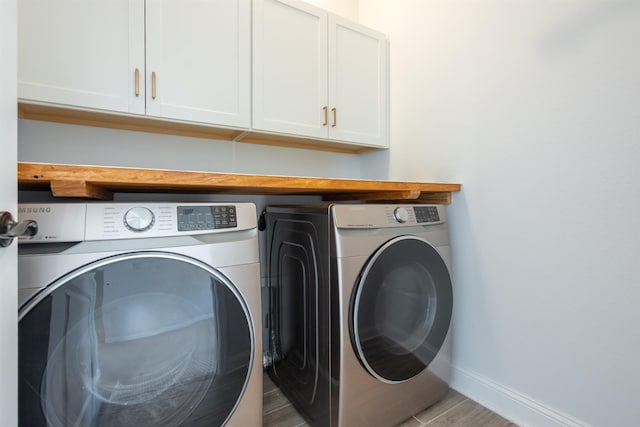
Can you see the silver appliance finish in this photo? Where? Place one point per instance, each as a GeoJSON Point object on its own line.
{"type": "Point", "coordinates": [365, 399]}
{"type": "Point", "coordinates": [77, 236]}
{"type": "Point", "coordinates": [382, 342]}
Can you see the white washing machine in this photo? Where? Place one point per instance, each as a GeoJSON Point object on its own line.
{"type": "Point", "coordinates": [360, 307]}
{"type": "Point", "coordinates": [140, 315]}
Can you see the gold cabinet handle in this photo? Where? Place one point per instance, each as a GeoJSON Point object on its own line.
{"type": "Point", "coordinates": [137, 82]}
{"type": "Point", "coordinates": [326, 115]}
{"type": "Point", "coordinates": [153, 85]}
{"type": "Point", "coordinates": [335, 117]}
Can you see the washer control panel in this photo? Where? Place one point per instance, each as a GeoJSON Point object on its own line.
{"type": "Point", "coordinates": [72, 222]}
{"type": "Point", "coordinates": [192, 218]}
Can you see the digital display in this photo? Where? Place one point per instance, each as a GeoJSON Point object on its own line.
{"type": "Point", "coordinates": [194, 218]}
{"type": "Point", "coordinates": [426, 214]}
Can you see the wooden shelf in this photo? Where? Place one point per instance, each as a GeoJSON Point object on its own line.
{"type": "Point", "coordinates": [98, 182]}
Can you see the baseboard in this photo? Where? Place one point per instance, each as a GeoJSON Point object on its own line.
{"type": "Point", "coordinates": [511, 404]}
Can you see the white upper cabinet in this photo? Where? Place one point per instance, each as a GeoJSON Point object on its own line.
{"type": "Point", "coordinates": [318, 75]}
{"type": "Point", "coordinates": [199, 60]}
{"type": "Point", "coordinates": [175, 59]}
{"type": "Point", "coordinates": [319, 81]}
{"type": "Point", "coordinates": [289, 67]}
{"type": "Point", "coordinates": [357, 83]}
{"type": "Point", "coordinates": [81, 53]}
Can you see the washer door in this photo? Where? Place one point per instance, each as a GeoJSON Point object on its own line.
{"type": "Point", "coordinates": [142, 339]}
{"type": "Point", "coordinates": [400, 309]}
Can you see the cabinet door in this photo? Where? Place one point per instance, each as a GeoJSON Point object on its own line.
{"type": "Point", "coordinates": [82, 53]}
{"type": "Point", "coordinates": [357, 83]}
{"type": "Point", "coordinates": [198, 53]}
{"type": "Point", "coordinates": [290, 68]}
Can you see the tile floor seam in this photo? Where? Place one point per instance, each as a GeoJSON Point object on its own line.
{"type": "Point", "coordinates": [269, 393]}
{"type": "Point", "coordinates": [419, 422]}
{"type": "Point", "coordinates": [445, 412]}
{"type": "Point", "coordinates": [272, 410]}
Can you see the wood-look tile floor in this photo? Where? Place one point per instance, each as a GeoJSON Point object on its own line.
{"type": "Point", "coordinates": [455, 410]}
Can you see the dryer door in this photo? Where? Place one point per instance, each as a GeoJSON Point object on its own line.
{"type": "Point", "coordinates": [142, 339]}
{"type": "Point", "coordinates": [400, 309]}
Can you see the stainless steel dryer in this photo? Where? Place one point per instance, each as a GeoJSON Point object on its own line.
{"type": "Point", "coordinates": [140, 314]}
{"type": "Point", "coordinates": [380, 348]}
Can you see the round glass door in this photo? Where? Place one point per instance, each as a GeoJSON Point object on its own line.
{"type": "Point", "coordinates": [400, 309]}
{"type": "Point", "coordinates": [144, 339]}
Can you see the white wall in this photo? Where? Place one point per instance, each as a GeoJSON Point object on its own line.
{"type": "Point", "coordinates": [72, 144]}
{"type": "Point", "coordinates": [534, 105]}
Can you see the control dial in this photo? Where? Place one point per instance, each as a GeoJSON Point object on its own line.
{"type": "Point", "coordinates": [139, 219]}
{"type": "Point", "coordinates": [401, 214]}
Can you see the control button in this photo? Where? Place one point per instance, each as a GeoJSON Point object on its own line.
{"type": "Point", "coordinates": [139, 219]}
{"type": "Point", "coordinates": [401, 214]}
{"type": "Point", "coordinates": [426, 214]}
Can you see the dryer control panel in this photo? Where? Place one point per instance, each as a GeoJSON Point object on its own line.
{"type": "Point", "coordinates": [387, 216]}
{"type": "Point", "coordinates": [74, 222]}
